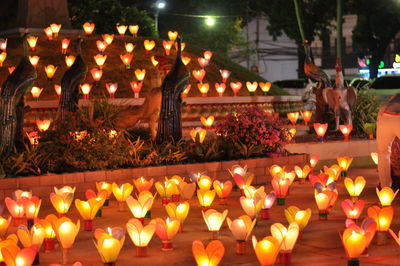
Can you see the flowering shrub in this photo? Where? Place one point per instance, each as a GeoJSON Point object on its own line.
{"type": "Point", "coordinates": [252, 126]}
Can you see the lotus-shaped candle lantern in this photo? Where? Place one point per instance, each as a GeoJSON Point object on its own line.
{"type": "Point", "coordinates": [220, 88]}
{"type": "Point", "coordinates": [351, 209]}
{"type": "Point", "coordinates": [88, 28]}
{"type": "Point", "coordinates": [386, 195]}
{"type": "Point", "coordinates": [306, 116]}
{"type": "Point", "coordinates": [206, 197]}
{"type": "Point", "coordinates": [143, 184]}
{"type": "Point", "coordinates": [166, 230]}
{"type": "Point", "coordinates": [222, 189]}
{"type": "Point", "coordinates": [241, 177]}
{"type": "Point", "coordinates": [241, 229]}
{"type": "Point", "coordinates": [265, 87]}
{"type": "Point", "coordinates": [133, 29]}
{"type": "Point", "coordinates": [140, 235]}
{"type": "Point", "coordinates": [252, 206]}
{"type": "Point", "coordinates": [166, 190]}
{"type": "Point", "coordinates": [295, 215]}
{"type": "Point", "coordinates": [66, 232]}
{"type": "Point", "coordinates": [224, 74]}
{"type": "Point", "coordinates": [293, 117]}
{"type": "Point", "coordinates": [187, 190]}
{"type": "Point", "coordinates": [198, 134]}
{"type": "Point", "coordinates": [367, 227]}
{"type": "Point", "coordinates": [149, 45]}
{"type": "Point", "coordinates": [266, 250]}
{"type": "Point", "coordinates": [109, 244]}
{"type": "Point", "coordinates": [354, 188]}
{"type": "Point", "coordinates": [288, 237]}
{"type": "Point", "coordinates": [140, 206]}
{"type": "Point", "coordinates": [235, 86]}
{"type": "Point", "coordinates": [268, 201]}
{"type": "Point", "coordinates": [87, 210]}
{"type": "Point", "coordinates": [121, 193]}
{"type": "Point", "coordinates": [344, 163]}
{"type": "Point", "coordinates": [214, 220]}
{"type": "Point", "coordinates": [211, 255]}
{"type": "Point", "coordinates": [302, 173]}
{"type": "Point", "coordinates": [179, 211]}
{"type": "Point", "coordinates": [281, 188]}
{"type": "Point", "coordinates": [354, 243]}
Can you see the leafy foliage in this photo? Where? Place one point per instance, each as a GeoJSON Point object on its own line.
{"type": "Point", "coordinates": [365, 111]}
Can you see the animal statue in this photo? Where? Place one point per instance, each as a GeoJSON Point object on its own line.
{"type": "Point", "coordinates": [12, 106]}
{"type": "Point", "coordinates": [340, 99]}
{"type": "Point", "coordinates": [70, 83]}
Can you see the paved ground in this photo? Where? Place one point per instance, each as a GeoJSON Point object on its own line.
{"type": "Point", "coordinates": [320, 244]}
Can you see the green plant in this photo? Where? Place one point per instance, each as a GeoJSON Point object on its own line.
{"type": "Point", "coordinates": [364, 111]}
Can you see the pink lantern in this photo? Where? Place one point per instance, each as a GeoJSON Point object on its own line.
{"type": "Point", "coordinates": [112, 88]}
{"type": "Point", "coordinates": [64, 45]}
{"type": "Point", "coordinates": [320, 129]}
{"type": "Point", "coordinates": [199, 74]}
{"type": "Point", "coordinates": [224, 74]}
{"type": "Point", "coordinates": [203, 62]}
{"type": "Point", "coordinates": [136, 87]}
{"type": "Point", "coordinates": [236, 86]}
{"type": "Point", "coordinates": [208, 55]}
{"type": "Point", "coordinates": [346, 130]}
{"type": "Point", "coordinates": [353, 210]}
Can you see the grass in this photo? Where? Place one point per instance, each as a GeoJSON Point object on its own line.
{"type": "Point", "coordinates": [114, 70]}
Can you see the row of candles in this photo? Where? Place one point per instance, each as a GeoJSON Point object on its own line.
{"type": "Point", "coordinates": [255, 202]}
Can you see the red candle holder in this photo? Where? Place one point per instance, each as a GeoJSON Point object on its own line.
{"type": "Point", "coordinates": [48, 245]}
{"type": "Point", "coordinates": [180, 228]}
{"type": "Point", "coordinates": [240, 247]}
{"type": "Point", "coordinates": [167, 245]}
{"type": "Point", "coordinates": [285, 258]}
{"type": "Point", "coordinates": [165, 201]}
{"type": "Point", "coordinates": [60, 215]}
{"type": "Point", "coordinates": [176, 198]}
{"type": "Point", "coordinates": [88, 225]}
{"type": "Point", "coordinates": [264, 214]}
{"type": "Point", "coordinates": [141, 219]}
{"type": "Point", "coordinates": [141, 251]}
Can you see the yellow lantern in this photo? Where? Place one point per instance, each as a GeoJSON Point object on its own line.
{"type": "Point", "coordinates": [140, 206]}
{"type": "Point", "coordinates": [88, 210]}
{"type": "Point", "coordinates": [34, 60]}
{"type": "Point", "coordinates": [143, 184]}
{"type": "Point", "coordinates": [104, 186]}
{"type": "Point", "coordinates": [203, 88]}
{"type": "Point", "coordinates": [172, 35]}
{"type": "Point", "coordinates": [166, 230]}
{"type": "Point", "coordinates": [204, 183]}
{"type": "Point", "coordinates": [149, 45]}
{"type": "Point", "coordinates": [323, 200]}
{"type": "Point", "coordinates": [140, 235]}
{"type": "Point", "coordinates": [121, 193]}
{"type": "Point", "coordinates": [179, 211]}
{"type": "Point", "coordinates": [109, 245]}
{"type": "Point", "coordinates": [223, 189]}
{"type": "Point", "coordinates": [220, 88]}
{"type": "Point", "coordinates": [96, 74]}
{"type": "Point", "coordinates": [62, 199]}
{"type": "Point", "coordinates": [214, 220]}
{"type": "Point", "coordinates": [346, 130]}
{"type": "Point", "coordinates": [153, 61]}
{"type": "Point", "coordinates": [64, 45]}
{"type": "Point", "coordinates": [49, 33]}
{"type": "Point", "coordinates": [320, 129]}
{"type": "Point", "coordinates": [354, 242]}
{"type": "Point", "coordinates": [306, 116]}
{"type": "Point", "coordinates": [66, 232]}
{"type": "Point", "coordinates": [32, 237]}
{"type": "Point", "coordinates": [186, 60]}
{"type": "Point", "coordinates": [294, 215]}
{"type": "Point", "coordinates": [251, 206]}
{"type": "Point", "coordinates": [386, 195]}
{"type": "Point", "coordinates": [251, 192]}
{"type": "Point", "coordinates": [3, 56]}
{"type": "Point", "coordinates": [108, 38]}
{"type": "Point", "coordinates": [252, 87]}
{"type": "Point", "coordinates": [69, 60]}
{"type": "Point", "coordinates": [86, 88]}
{"type": "Point", "coordinates": [293, 117]}
{"type": "Point", "coordinates": [88, 28]}
{"type": "Point", "coordinates": [224, 74]}
{"type": "Point", "coordinates": [302, 173]}
{"type": "Point", "coordinates": [43, 125]}
{"type": "Point", "coordinates": [49, 233]}
{"type": "Point", "coordinates": [140, 74]}
{"type": "Point", "coordinates": [265, 87]}
{"type": "Point", "coordinates": [205, 197]}
{"type": "Point", "coordinates": [241, 229]}
{"type": "Point", "coordinates": [100, 60]}
{"type": "Point", "coordinates": [134, 29]}
{"type": "Point", "coordinates": [235, 86]}
{"type": "Point", "coordinates": [166, 190]}
{"type": "Point", "coordinates": [266, 250]}
{"type": "Point", "coordinates": [167, 46]}
{"type": "Point", "coordinates": [121, 30]}
{"type": "Point", "coordinates": [207, 122]}
{"type": "Point", "coordinates": [288, 237]}
{"type": "Point", "coordinates": [344, 163]}
{"type": "Point", "coordinates": [129, 47]}
{"type": "Point", "coordinates": [32, 41]}
{"type": "Point", "coordinates": [50, 71]}
{"type": "Point", "coordinates": [35, 91]}
{"type": "Point", "coordinates": [354, 188]}
{"type": "Point", "coordinates": [198, 134]}
{"type": "Point", "coordinates": [211, 255]}
{"type": "Point", "coordinates": [55, 28]}
{"type": "Point", "coordinates": [199, 74]}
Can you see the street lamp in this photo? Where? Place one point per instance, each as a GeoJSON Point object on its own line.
{"type": "Point", "coordinates": [160, 4]}
{"type": "Point", "coordinates": [210, 21]}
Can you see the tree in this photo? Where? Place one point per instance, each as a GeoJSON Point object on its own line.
{"type": "Point", "coordinates": [107, 13]}
{"type": "Point", "coordinates": [316, 16]}
{"type": "Point", "coordinates": [377, 25]}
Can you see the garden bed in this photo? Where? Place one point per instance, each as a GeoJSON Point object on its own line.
{"type": "Point", "coordinates": [41, 186]}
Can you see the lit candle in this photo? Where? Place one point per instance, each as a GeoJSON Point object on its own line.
{"type": "Point", "coordinates": [203, 88]}
{"type": "Point", "coordinates": [323, 200]}
{"type": "Point", "coordinates": [16, 209]}
{"type": "Point", "coordinates": [109, 244]}
{"type": "Point", "coordinates": [320, 129]}
{"type": "Point", "coordinates": [266, 250]}
{"type": "Point", "coordinates": [204, 183]}
{"type": "Point", "coordinates": [121, 193]}
{"type": "Point", "coordinates": [172, 35]}
{"type": "Point", "coordinates": [134, 29]}
{"type": "Point", "coordinates": [383, 218]}
{"type": "Point", "coordinates": [205, 197]}
{"type": "Point", "coordinates": [220, 88]}
{"type": "Point", "coordinates": [354, 243]}
{"type": "Point", "coordinates": [241, 229]}
{"type": "Point", "coordinates": [179, 211]}
{"type": "Point", "coordinates": [166, 190]}
{"type": "Point", "coordinates": [32, 41]}
{"type": "Point", "coordinates": [140, 206]}
{"type": "Point", "coordinates": [129, 47]}
{"type": "Point", "coordinates": [346, 130]}
{"type": "Point", "coordinates": [210, 255]}
{"type": "Point", "coordinates": [166, 230]}
{"type": "Point", "coordinates": [88, 28]}
{"type": "Point", "coordinates": [293, 117]}
{"type": "Point", "coordinates": [101, 46]}
{"type": "Point", "coordinates": [64, 45]}
{"type": "Point", "coordinates": [86, 88]}
{"type": "Point", "coordinates": [265, 87]}
{"type": "Point", "coordinates": [62, 199]}
{"type": "Point", "coordinates": [108, 38]}
{"type": "Point", "coordinates": [224, 74]}
{"type": "Point", "coordinates": [33, 237]}
{"type": "Point", "coordinates": [198, 134]}
{"type": "Point", "coordinates": [252, 206]}
{"type": "Point", "coordinates": [207, 55]}
{"type": "Point", "coordinates": [126, 59]}
{"type": "Point", "coordinates": [43, 125]}
{"type": "Point", "coordinates": [302, 173]}
{"type": "Point", "coordinates": [140, 74]}
{"type": "Point", "coordinates": [34, 60]}
{"type": "Point", "coordinates": [207, 122]}
{"type": "Point", "coordinates": [354, 188]}
{"type": "Point", "coordinates": [386, 195]}
{"type": "Point", "coordinates": [87, 210]}
{"type": "Point", "coordinates": [314, 160]}
{"type": "Point", "coordinates": [112, 88]}
{"type": "Point", "coordinates": [344, 163]}
{"type": "Point", "coordinates": [11, 69]}
{"type": "Point", "coordinates": [107, 187]}
{"type": "Point", "coordinates": [66, 232]}
{"type": "Point", "coordinates": [50, 71]}
{"type": "Point", "coordinates": [100, 60]}
{"type": "Point", "coordinates": [281, 188]}
{"type": "Point", "coordinates": [35, 91]}
{"type": "Point", "coordinates": [149, 45]}
{"type": "Point", "coordinates": [121, 30]}
{"type": "Point", "coordinates": [69, 60]}
{"type": "Point", "coordinates": [96, 74]}
{"type": "Point", "coordinates": [199, 74]}
{"type": "Point", "coordinates": [140, 235]}
{"type": "Point", "coordinates": [136, 87]}
{"type": "Point", "coordinates": [214, 220]}
{"type": "Point", "coordinates": [167, 46]}
{"type": "Point", "coordinates": [49, 33]}
{"type": "Point", "coordinates": [306, 116]}
{"type": "Point", "coordinates": [252, 87]}
{"type": "Point", "coordinates": [235, 86]}
{"type": "Point", "coordinates": [294, 214]}
{"type": "Point", "coordinates": [49, 233]}
{"type": "Point", "coordinates": [55, 28]}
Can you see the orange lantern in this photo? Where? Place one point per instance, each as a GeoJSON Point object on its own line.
{"type": "Point", "coordinates": [203, 62]}
{"type": "Point", "coordinates": [265, 87]}
{"type": "Point", "coordinates": [220, 88]}
{"type": "Point", "coordinates": [346, 130]}
{"type": "Point", "coordinates": [64, 45]}
{"type": "Point", "coordinates": [55, 28]}
{"type": "Point", "coordinates": [85, 88]}
{"type": "Point", "coordinates": [186, 90]}
{"type": "Point", "coordinates": [140, 74]}
{"type": "Point", "coordinates": [281, 188]}
{"type": "Point", "coordinates": [108, 38]}
{"type": "Point", "coordinates": [314, 160]}
{"type": "Point", "coordinates": [129, 47]}
{"type": "Point", "coordinates": [185, 60]}
{"type": "Point", "coordinates": [224, 74]}
{"type": "Point", "coordinates": [306, 116]}
{"type": "Point", "coordinates": [166, 230]}
{"type": "Point", "coordinates": [344, 163]}
{"type": "Point", "coordinates": [172, 35]}
{"type": "Point", "coordinates": [100, 60]}
{"type": "Point", "coordinates": [16, 209]}
{"type": "Point", "coordinates": [383, 218]}
{"type": "Point", "coordinates": [266, 250]}
{"type": "Point", "coordinates": [207, 122]}
{"type": "Point", "coordinates": [35, 91]}
{"type": "Point", "coordinates": [134, 29]}
{"type": "Point", "coordinates": [69, 60]}
{"type": "Point", "coordinates": [126, 59]}
{"type": "Point", "coordinates": [183, 45]}
{"type": "Point", "coordinates": [320, 129]}
{"type": "Point", "coordinates": [252, 87]}
{"type": "Point", "coordinates": [121, 30]}
{"type": "Point", "coordinates": [302, 173]}
{"type": "Point", "coordinates": [354, 242]}
{"type": "Point", "coordinates": [199, 74]}
{"type": "Point", "coordinates": [136, 87]}
{"type": "Point", "coordinates": [112, 88]}
{"type": "Point", "coordinates": [96, 74]}
{"type": "Point", "coordinates": [323, 200]}
{"type": "Point", "coordinates": [223, 189]}
{"type": "Point", "coordinates": [34, 60]}
{"type": "Point", "coordinates": [50, 71]}
{"type": "Point", "coordinates": [203, 88]}
{"type": "Point", "coordinates": [88, 28]}
{"type": "Point", "coordinates": [167, 47]}
{"type": "Point", "coordinates": [101, 46]}
{"type": "Point", "coordinates": [49, 33]}
{"type": "Point", "coordinates": [149, 45]}
{"type": "Point", "coordinates": [386, 195]}
{"type": "Point", "coordinates": [207, 55]}
{"type": "Point", "coordinates": [210, 255]}
{"type": "Point", "coordinates": [43, 125]}
{"type": "Point", "coordinates": [57, 88]}
{"type": "Point", "coordinates": [11, 69]}
{"type": "Point", "coordinates": [293, 117]}
{"type": "Point", "coordinates": [142, 184]}
{"type": "Point", "coordinates": [353, 210]}
{"type": "Point", "coordinates": [236, 86]}
{"type": "Point", "coordinates": [32, 41]}
{"type": "Point", "coordinates": [3, 56]}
